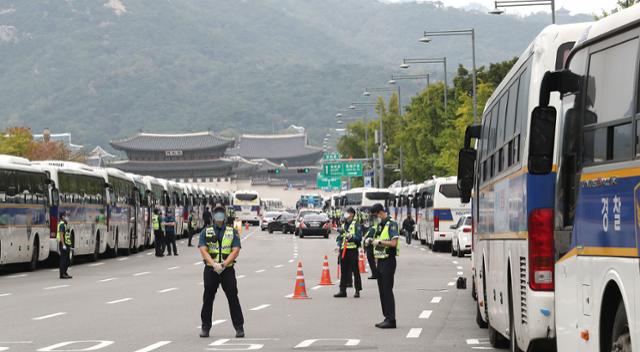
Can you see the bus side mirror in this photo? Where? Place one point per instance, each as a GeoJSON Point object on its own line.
{"type": "Point", "coordinates": [466, 173]}
{"type": "Point", "coordinates": [55, 197]}
{"type": "Point", "coordinates": [541, 143]}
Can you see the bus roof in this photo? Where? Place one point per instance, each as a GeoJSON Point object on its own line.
{"type": "Point", "coordinates": [598, 30]}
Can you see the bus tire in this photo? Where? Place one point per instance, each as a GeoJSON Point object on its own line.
{"type": "Point", "coordinates": [114, 251]}
{"type": "Point", "coordinates": [496, 340]}
{"type": "Point", "coordinates": [96, 249]}
{"type": "Point", "coordinates": [481, 323]}
{"type": "Point", "coordinates": [130, 247]}
{"type": "Point", "coordinates": [513, 339]}
{"type": "Point", "coordinates": [620, 335]}
{"type": "Point", "coordinates": [423, 242]}
{"type": "Point", "coordinates": [35, 253]}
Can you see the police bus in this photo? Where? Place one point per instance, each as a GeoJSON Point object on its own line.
{"type": "Point", "coordinates": [143, 210]}
{"type": "Point", "coordinates": [594, 215]}
{"type": "Point", "coordinates": [24, 201]}
{"type": "Point", "coordinates": [512, 213]}
{"type": "Point", "coordinates": [364, 198]}
{"type": "Point", "coordinates": [246, 205]}
{"type": "Point", "coordinates": [77, 190]}
{"type": "Point", "coordinates": [121, 211]}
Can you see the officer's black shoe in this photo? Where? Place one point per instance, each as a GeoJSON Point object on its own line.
{"type": "Point", "coordinates": [340, 294]}
{"type": "Point", "coordinates": [66, 276]}
{"type": "Point", "coordinates": [387, 324]}
{"type": "Point", "coordinates": [176, 254]}
{"type": "Point", "coordinates": [372, 278]}
{"type": "Point", "coordinates": [357, 294]}
{"type": "Point", "coordinates": [204, 333]}
{"type": "Point", "coordinates": [239, 333]}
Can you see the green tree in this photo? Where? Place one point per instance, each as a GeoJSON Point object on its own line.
{"type": "Point", "coordinates": [621, 5]}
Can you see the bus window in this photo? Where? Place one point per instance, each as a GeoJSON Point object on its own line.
{"type": "Point", "coordinates": [450, 190]}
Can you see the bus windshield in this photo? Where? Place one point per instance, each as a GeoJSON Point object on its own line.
{"type": "Point", "coordinates": [247, 197]}
{"type": "Point", "coordinates": [450, 190]}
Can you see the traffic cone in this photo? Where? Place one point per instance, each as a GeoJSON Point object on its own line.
{"type": "Point", "coordinates": [300, 291]}
{"type": "Point", "coordinates": [361, 266]}
{"type": "Point", "coordinates": [246, 225]}
{"type": "Point", "coordinates": [325, 279]}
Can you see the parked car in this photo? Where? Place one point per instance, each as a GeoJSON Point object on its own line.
{"type": "Point", "coordinates": [285, 222]}
{"type": "Point", "coordinates": [317, 224]}
{"type": "Point", "coordinates": [267, 218]}
{"type": "Point", "coordinates": [302, 213]}
{"type": "Point", "coordinates": [461, 240]}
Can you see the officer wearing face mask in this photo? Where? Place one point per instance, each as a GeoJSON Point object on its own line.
{"type": "Point", "coordinates": [370, 227]}
{"type": "Point", "coordinates": [63, 237]}
{"type": "Point", "coordinates": [348, 242]}
{"type": "Point", "coordinates": [219, 246]}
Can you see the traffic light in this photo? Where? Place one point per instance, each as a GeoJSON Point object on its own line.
{"type": "Point", "coordinates": [273, 171]}
{"type": "Point", "coordinates": [303, 170]}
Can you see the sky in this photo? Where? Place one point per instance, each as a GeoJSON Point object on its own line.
{"type": "Point", "coordinates": [575, 6]}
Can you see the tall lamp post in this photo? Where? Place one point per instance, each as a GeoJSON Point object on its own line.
{"type": "Point", "coordinates": [406, 64]}
{"type": "Point", "coordinates": [366, 130]}
{"type": "Point", "coordinates": [426, 38]}
{"type": "Point", "coordinates": [521, 3]}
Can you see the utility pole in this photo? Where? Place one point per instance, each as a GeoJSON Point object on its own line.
{"type": "Point", "coordinates": [401, 167]}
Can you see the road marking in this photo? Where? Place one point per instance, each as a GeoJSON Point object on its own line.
{"type": "Point", "coordinates": [49, 316]}
{"type": "Point", "coordinates": [149, 253]}
{"type": "Point", "coordinates": [168, 290]}
{"type": "Point", "coordinates": [218, 322]}
{"type": "Point", "coordinates": [142, 273]}
{"type": "Point", "coordinates": [18, 276]}
{"type": "Point", "coordinates": [154, 346]}
{"type": "Point", "coordinates": [173, 268]}
{"type": "Point", "coordinates": [460, 273]}
{"type": "Point", "coordinates": [5, 294]}
{"type": "Point", "coordinates": [459, 267]}
{"type": "Point", "coordinates": [422, 249]}
{"type": "Point", "coordinates": [316, 287]}
{"type": "Point", "coordinates": [198, 262]}
{"type": "Point", "coordinates": [451, 283]}
{"type": "Point", "coordinates": [455, 262]}
{"type": "Point", "coordinates": [436, 299]}
{"type": "Point", "coordinates": [290, 261]}
{"type": "Point", "coordinates": [414, 333]}
{"type": "Point", "coordinates": [425, 314]}
{"type": "Point", "coordinates": [278, 266]}
{"type": "Point", "coordinates": [122, 259]}
{"type": "Point", "coordinates": [307, 343]}
{"type": "Point", "coordinates": [54, 270]}
{"type": "Point", "coordinates": [260, 271]}
{"type": "Point", "coordinates": [55, 287]}
{"type": "Point", "coordinates": [96, 264]}
{"type": "Point", "coordinates": [241, 276]}
{"type": "Point", "coordinates": [108, 279]}
{"type": "Point", "coordinates": [473, 342]}
{"type": "Point", "coordinates": [120, 300]}
{"type": "Point", "coordinates": [482, 348]}
{"type": "Point", "coordinates": [289, 295]}
{"type": "Point", "coordinates": [260, 307]}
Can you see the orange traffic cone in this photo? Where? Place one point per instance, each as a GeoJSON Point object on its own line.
{"type": "Point", "coordinates": [246, 225]}
{"type": "Point", "coordinates": [325, 279]}
{"type": "Point", "coordinates": [361, 265]}
{"type": "Point", "coordinates": [300, 291]}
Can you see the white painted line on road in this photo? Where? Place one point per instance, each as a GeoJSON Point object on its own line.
{"type": "Point", "coordinates": [154, 346]}
{"type": "Point", "coordinates": [168, 290]}
{"type": "Point", "coordinates": [414, 333]}
{"type": "Point", "coordinates": [460, 273]}
{"type": "Point", "coordinates": [108, 279]}
{"type": "Point", "coordinates": [54, 270]}
{"type": "Point", "coordinates": [436, 299]}
{"type": "Point", "coordinates": [142, 273]}
{"type": "Point", "coordinates": [150, 253]}
{"type": "Point", "coordinates": [55, 287]}
{"type": "Point", "coordinates": [49, 316]}
{"type": "Point", "coordinates": [482, 348]}
{"type": "Point", "coordinates": [290, 261]}
{"type": "Point", "coordinates": [173, 268]}
{"type": "Point", "coordinates": [122, 259]}
{"type": "Point", "coordinates": [451, 283]}
{"type": "Point", "coordinates": [241, 276]}
{"type": "Point", "coordinates": [96, 264]}
{"type": "Point", "coordinates": [218, 322]}
{"type": "Point", "coordinates": [473, 342]}
{"type": "Point", "coordinates": [455, 262]}
{"type": "Point", "coordinates": [260, 307]}
{"type": "Point", "coordinates": [18, 276]}
{"type": "Point", "coordinates": [425, 314]}
{"type": "Point", "coordinates": [316, 287]}
{"type": "Point", "coordinates": [289, 295]}
{"type": "Point", "coordinates": [198, 262]}
{"type": "Point", "coordinates": [120, 300]}
{"type": "Point", "coordinates": [422, 249]}
{"type": "Point", "coordinates": [278, 266]}
{"type": "Point", "coordinates": [459, 267]}
{"type": "Point", "coordinates": [5, 294]}
{"type": "Point", "coordinates": [260, 271]}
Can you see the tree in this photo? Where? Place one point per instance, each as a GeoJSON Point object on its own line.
{"type": "Point", "coordinates": [621, 5]}
{"type": "Point", "coordinates": [18, 141]}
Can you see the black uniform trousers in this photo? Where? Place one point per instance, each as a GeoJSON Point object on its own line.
{"type": "Point", "coordinates": [372, 260]}
{"type": "Point", "coordinates": [348, 267]}
{"type": "Point", "coordinates": [159, 241]}
{"type": "Point", "coordinates": [64, 259]}
{"type": "Point", "coordinates": [386, 270]}
{"type": "Point", "coordinates": [192, 231]}
{"type": "Point", "coordinates": [170, 239]}
{"type": "Point", "coordinates": [212, 280]}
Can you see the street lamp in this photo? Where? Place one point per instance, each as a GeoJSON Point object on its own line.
{"type": "Point", "coordinates": [352, 108]}
{"type": "Point", "coordinates": [443, 61]}
{"type": "Point", "coordinates": [426, 38]}
{"type": "Point", "coordinates": [521, 3]}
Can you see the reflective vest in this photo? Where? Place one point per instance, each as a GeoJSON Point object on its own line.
{"type": "Point", "coordinates": [219, 251]}
{"type": "Point", "coordinates": [192, 221]}
{"type": "Point", "coordinates": [381, 252]}
{"type": "Point", "coordinates": [66, 234]}
{"type": "Point", "coordinates": [351, 230]}
{"type": "Point", "coordinates": [156, 222]}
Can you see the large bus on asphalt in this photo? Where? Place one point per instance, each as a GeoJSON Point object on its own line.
{"type": "Point", "coordinates": [272, 204]}
{"type": "Point", "coordinates": [364, 198]}
{"type": "Point", "coordinates": [438, 207]}
{"type": "Point", "coordinates": [309, 201]}
{"type": "Point", "coordinates": [246, 205]}
{"type": "Point", "coordinates": [82, 193]}
{"type": "Point", "coordinates": [121, 211]}
{"type": "Point", "coordinates": [143, 210]}
{"type": "Point", "coordinates": [24, 212]}
{"type": "Point", "coordinates": [513, 206]}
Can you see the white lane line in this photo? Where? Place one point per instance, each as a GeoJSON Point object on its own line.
{"type": "Point", "coordinates": [108, 279]}
{"type": "Point", "coordinates": [278, 266]}
{"type": "Point", "coordinates": [422, 249]}
{"type": "Point", "coordinates": [482, 348]}
{"type": "Point", "coordinates": [289, 295]}
{"type": "Point", "coordinates": [120, 300]}
{"type": "Point", "coordinates": [425, 314]}
{"type": "Point", "coordinates": [460, 273]}
{"type": "Point", "coordinates": [122, 259]}
{"type": "Point", "coordinates": [455, 262]}
{"type": "Point", "coordinates": [142, 273]}
{"type": "Point", "coordinates": [316, 287]}
{"type": "Point", "coordinates": [154, 346]}
{"type": "Point", "coordinates": [290, 261]}
{"type": "Point", "coordinates": [49, 316]}
{"type": "Point", "coordinates": [218, 322]}
{"type": "Point", "coordinates": [149, 253]}
{"type": "Point", "coordinates": [260, 271]}
{"type": "Point", "coordinates": [473, 342]}
{"type": "Point", "coordinates": [96, 264]}
{"type": "Point", "coordinates": [198, 262]}
{"type": "Point", "coordinates": [451, 283]}
{"type": "Point", "coordinates": [54, 270]}
{"type": "Point", "coordinates": [5, 294]}
{"type": "Point", "coordinates": [241, 276]}
{"type": "Point", "coordinates": [55, 287]}
{"type": "Point", "coordinates": [414, 333]}
{"type": "Point", "coordinates": [260, 307]}
{"type": "Point", "coordinates": [18, 276]}
{"type": "Point", "coordinates": [436, 299]}
{"type": "Point", "coordinates": [173, 268]}
{"type": "Point", "coordinates": [168, 290]}
{"type": "Point", "coordinates": [459, 267]}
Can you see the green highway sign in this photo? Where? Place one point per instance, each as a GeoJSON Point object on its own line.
{"type": "Point", "coordinates": [328, 182]}
{"type": "Point", "coordinates": [352, 169]}
{"type": "Point", "coordinates": [332, 156]}
{"type": "Point", "coordinates": [342, 168]}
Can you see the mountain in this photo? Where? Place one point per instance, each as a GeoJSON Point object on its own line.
{"type": "Point", "coordinates": [105, 69]}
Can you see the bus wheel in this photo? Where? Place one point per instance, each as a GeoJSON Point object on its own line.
{"type": "Point", "coordinates": [35, 253]}
{"type": "Point", "coordinates": [114, 251]}
{"type": "Point", "coordinates": [481, 323]}
{"type": "Point", "coordinates": [129, 248]}
{"type": "Point", "coordinates": [496, 340]}
{"type": "Point", "coordinates": [513, 339]}
{"type": "Point", "coordinates": [620, 335]}
{"type": "Point", "coordinates": [96, 249]}
{"type": "Point", "coordinates": [423, 242]}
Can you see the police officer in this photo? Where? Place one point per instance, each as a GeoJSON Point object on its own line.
{"type": "Point", "coordinates": [369, 233]}
{"type": "Point", "coordinates": [206, 217]}
{"type": "Point", "coordinates": [219, 246]}
{"type": "Point", "coordinates": [385, 249]}
{"type": "Point", "coordinates": [348, 242]}
{"type": "Point", "coordinates": [63, 237]}
{"type": "Point", "coordinates": [192, 226]}
{"type": "Point", "coordinates": [157, 233]}
{"type": "Point", "coordinates": [170, 232]}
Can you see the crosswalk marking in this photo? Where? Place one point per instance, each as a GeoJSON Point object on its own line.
{"type": "Point", "coordinates": [241, 276]}
{"type": "Point", "coordinates": [154, 346]}
{"type": "Point", "coordinates": [49, 316]}
{"type": "Point", "coordinates": [260, 271]}
{"type": "Point", "coordinates": [436, 299]}
{"type": "Point", "coordinates": [55, 287]}
{"type": "Point", "coordinates": [173, 268]}
{"type": "Point", "coordinates": [108, 279]}
{"type": "Point", "coordinates": [96, 264]}
{"type": "Point", "coordinates": [122, 259]}
{"type": "Point", "coordinates": [260, 307]}
{"type": "Point", "coordinates": [451, 283]}
{"type": "Point", "coordinates": [414, 333]}
{"type": "Point", "coordinates": [5, 294]}
{"type": "Point", "coordinates": [120, 300]}
{"type": "Point", "coordinates": [142, 273]}
{"type": "Point", "coordinates": [425, 314]}
{"type": "Point", "coordinates": [289, 295]}
{"type": "Point", "coordinates": [168, 290]}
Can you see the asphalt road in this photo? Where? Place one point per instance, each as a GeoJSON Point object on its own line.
{"type": "Point", "coordinates": [143, 303]}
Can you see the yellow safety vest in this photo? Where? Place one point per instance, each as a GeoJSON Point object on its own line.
{"type": "Point", "coordinates": [192, 220]}
{"type": "Point", "coordinates": [381, 252]}
{"type": "Point", "coordinates": [219, 252]}
{"type": "Point", "coordinates": [351, 230]}
{"type": "Point", "coordinates": [66, 234]}
{"type": "Point", "coordinates": [156, 222]}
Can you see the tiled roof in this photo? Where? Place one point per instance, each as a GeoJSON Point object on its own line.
{"type": "Point", "coordinates": [164, 142]}
{"type": "Point", "coordinates": [191, 165]}
{"type": "Point", "coordinates": [274, 147]}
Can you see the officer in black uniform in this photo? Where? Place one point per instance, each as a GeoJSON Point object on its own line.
{"type": "Point", "coordinates": [63, 237]}
{"type": "Point", "coordinates": [219, 246]}
{"type": "Point", "coordinates": [369, 232]}
{"type": "Point", "coordinates": [348, 243]}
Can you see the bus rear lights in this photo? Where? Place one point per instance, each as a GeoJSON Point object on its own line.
{"type": "Point", "coordinates": [436, 223]}
{"type": "Point", "coordinates": [541, 250]}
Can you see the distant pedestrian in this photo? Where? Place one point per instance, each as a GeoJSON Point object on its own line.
{"type": "Point", "coordinates": [206, 217]}
{"type": "Point", "coordinates": [408, 226]}
{"type": "Point", "coordinates": [192, 227]}
{"type": "Point", "coordinates": [63, 237]}
{"type": "Point", "coordinates": [170, 232]}
{"type": "Point", "coordinates": [158, 233]}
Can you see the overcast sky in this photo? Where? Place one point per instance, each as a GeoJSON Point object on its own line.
{"type": "Point", "coordinates": [575, 6]}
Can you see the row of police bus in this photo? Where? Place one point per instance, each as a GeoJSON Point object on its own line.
{"type": "Point", "coordinates": [109, 211]}
{"type": "Point", "coordinates": [553, 175]}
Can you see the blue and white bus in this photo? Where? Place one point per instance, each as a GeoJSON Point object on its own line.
{"type": "Point", "coordinates": [512, 206]}
{"type": "Point", "coordinates": [121, 211]}
{"type": "Point", "coordinates": [24, 215]}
